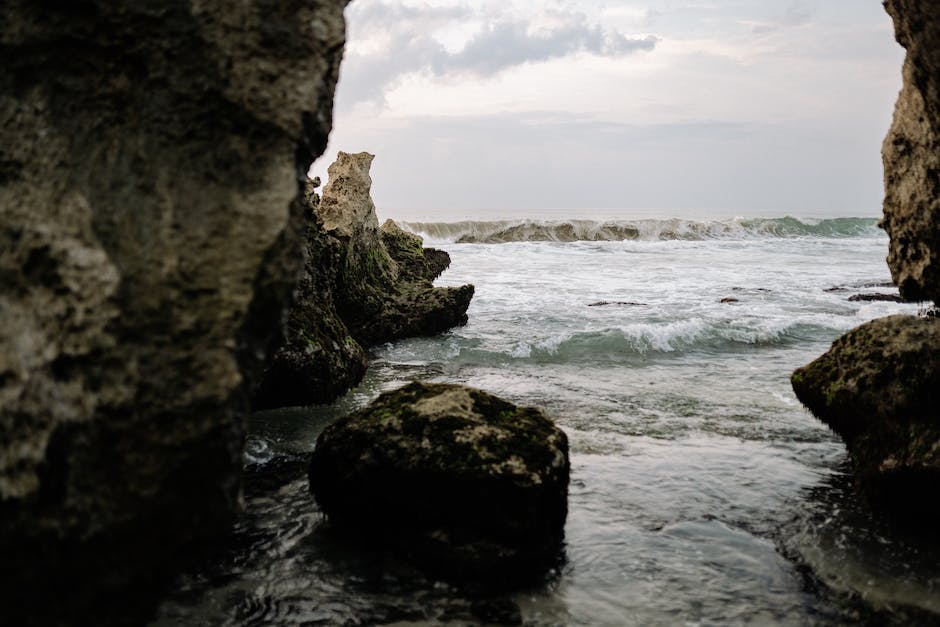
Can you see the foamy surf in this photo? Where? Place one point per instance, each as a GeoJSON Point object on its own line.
{"type": "Point", "coordinates": [503, 231]}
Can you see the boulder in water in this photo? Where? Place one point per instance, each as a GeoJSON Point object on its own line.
{"type": "Point", "coordinates": [878, 387]}
{"type": "Point", "coordinates": [470, 486]}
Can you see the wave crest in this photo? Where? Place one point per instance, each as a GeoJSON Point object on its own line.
{"type": "Point", "coordinates": [503, 231]}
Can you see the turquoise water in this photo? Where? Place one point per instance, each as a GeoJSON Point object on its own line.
{"type": "Point", "coordinates": [702, 492]}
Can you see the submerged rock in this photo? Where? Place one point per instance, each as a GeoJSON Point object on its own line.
{"type": "Point", "coordinates": [878, 387]}
{"type": "Point", "coordinates": [622, 303]}
{"type": "Point", "coordinates": [361, 286]}
{"type": "Point", "coordinates": [470, 486]}
{"type": "Point", "coordinates": [869, 298]}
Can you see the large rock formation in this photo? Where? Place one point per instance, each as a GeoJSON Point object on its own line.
{"type": "Point", "coordinates": [878, 387]}
{"type": "Point", "coordinates": [911, 155]}
{"type": "Point", "coordinates": [150, 236]}
{"type": "Point", "coordinates": [470, 486]}
{"type": "Point", "coordinates": [362, 285]}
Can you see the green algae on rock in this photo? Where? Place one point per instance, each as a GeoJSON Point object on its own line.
{"type": "Point", "coordinates": [361, 286]}
{"type": "Point", "coordinates": [878, 387]}
{"type": "Point", "coordinates": [469, 486]}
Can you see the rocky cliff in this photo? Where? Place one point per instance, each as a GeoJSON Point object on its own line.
{"type": "Point", "coordinates": [362, 285]}
{"type": "Point", "coordinates": [911, 155]}
{"type": "Point", "coordinates": [877, 385]}
{"type": "Point", "coordinates": [150, 233]}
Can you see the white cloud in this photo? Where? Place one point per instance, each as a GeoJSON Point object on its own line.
{"type": "Point", "coordinates": [795, 97]}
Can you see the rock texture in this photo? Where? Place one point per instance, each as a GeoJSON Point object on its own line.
{"type": "Point", "coordinates": [150, 230]}
{"type": "Point", "coordinates": [911, 155]}
{"type": "Point", "coordinates": [362, 286]}
{"type": "Point", "coordinates": [470, 486]}
{"type": "Point", "coordinates": [319, 360]}
{"type": "Point", "coordinates": [878, 387]}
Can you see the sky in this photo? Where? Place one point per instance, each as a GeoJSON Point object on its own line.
{"type": "Point", "coordinates": [496, 109]}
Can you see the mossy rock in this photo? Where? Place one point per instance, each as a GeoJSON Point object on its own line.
{"type": "Point", "coordinates": [470, 486]}
{"type": "Point", "coordinates": [878, 387]}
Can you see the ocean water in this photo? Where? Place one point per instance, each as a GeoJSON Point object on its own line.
{"type": "Point", "coordinates": [702, 493]}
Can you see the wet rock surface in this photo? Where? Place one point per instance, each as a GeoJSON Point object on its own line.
{"type": "Point", "coordinates": [150, 238]}
{"type": "Point", "coordinates": [361, 286]}
{"type": "Point", "coordinates": [870, 298]}
{"type": "Point", "coordinates": [467, 485]}
{"type": "Point", "coordinates": [878, 387]}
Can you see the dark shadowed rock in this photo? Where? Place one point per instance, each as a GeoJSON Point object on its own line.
{"type": "Point", "coordinates": [620, 303]}
{"type": "Point", "coordinates": [319, 359]}
{"type": "Point", "coordinates": [471, 487]}
{"type": "Point", "coordinates": [869, 298]}
{"type": "Point", "coordinates": [878, 387]}
{"type": "Point", "coordinates": [150, 237]}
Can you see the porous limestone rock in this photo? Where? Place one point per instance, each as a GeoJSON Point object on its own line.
{"type": "Point", "coordinates": [150, 237]}
{"type": "Point", "coordinates": [468, 485]}
{"type": "Point", "coordinates": [375, 299]}
{"type": "Point", "coordinates": [414, 261]}
{"type": "Point", "coordinates": [319, 360]}
{"type": "Point", "coordinates": [878, 387]}
{"type": "Point", "coordinates": [361, 286]}
{"type": "Point", "coordinates": [911, 155]}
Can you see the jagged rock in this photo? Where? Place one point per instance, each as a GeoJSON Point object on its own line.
{"type": "Point", "coordinates": [319, 360]}
{"type": "Point", "coordinates": [415, 262]}
{"type": "Point", "coordinates": [470, 486]}
{"type": "Point", "coordinates": [361, 286]}
{"type": "Point", "coordinates": [149, 202]}
{"type": "Point", "coordinates": [911, 155]}
{"type": "Point", "coordinates": [878, 387]}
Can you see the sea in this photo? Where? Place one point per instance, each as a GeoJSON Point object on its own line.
{"type": "Point", "coordinates": [702, 492]}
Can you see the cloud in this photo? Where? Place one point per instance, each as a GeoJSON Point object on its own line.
{"type": "Point", "coordinates": [408, 45]}
{"type": "Point", "coordinates": [794, 15]}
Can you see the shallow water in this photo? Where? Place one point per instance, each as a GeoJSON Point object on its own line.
{"type": "Point", "coordinates": [702, 493]}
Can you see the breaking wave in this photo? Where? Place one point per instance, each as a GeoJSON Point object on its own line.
{"type": "Point", "coordinates": [502, 231]}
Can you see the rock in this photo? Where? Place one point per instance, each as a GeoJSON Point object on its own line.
{"type": "Point", "coordinates": [605, 303]}
{"type": "Point", "coordinates": [878, 387]}
{"type": "Point", "coordinates": [380, 297]}
{"type": "Point", "coordinates": [151, 228]}
{"type": "Point", "coordinates": [361, 286]}
{"type": "Point", "coordinates": [911, 156]}
{"type": "Point", "coordinates": [471, 487]}
{"type": "Point", "coordinates": [868, 298]}
{"type": "Point", "coordinates": [415, 263]}
{"type": "Point", "coordinates": [319, 359]}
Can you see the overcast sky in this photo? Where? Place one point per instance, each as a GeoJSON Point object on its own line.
{"type": "Point", "coordinates": [500, 108]}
